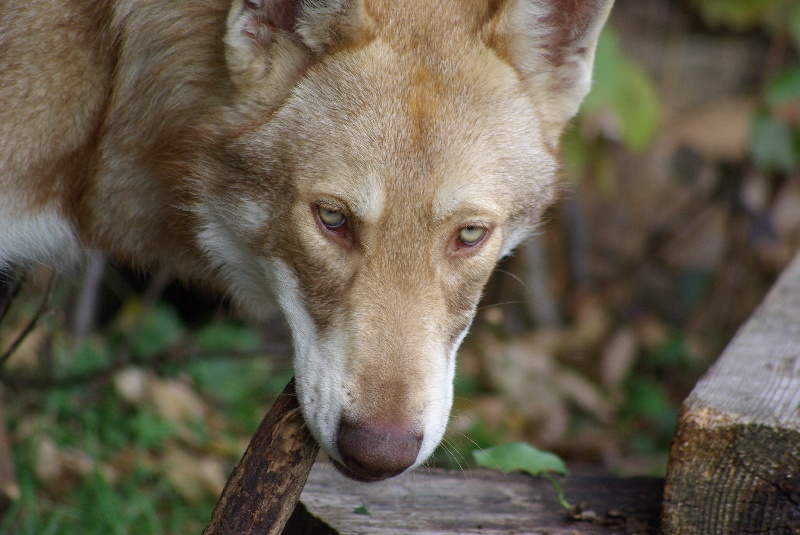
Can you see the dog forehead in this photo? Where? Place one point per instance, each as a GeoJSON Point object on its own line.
{"type": "Point", "coordinates": [383, 126]}
{"type": "Point", "coordinates": [377, 90]}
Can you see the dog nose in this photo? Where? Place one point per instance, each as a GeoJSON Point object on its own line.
{"type": "Point", "coordinates": [372, 451]}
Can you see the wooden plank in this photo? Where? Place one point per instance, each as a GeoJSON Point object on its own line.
{"type": "Point", "coordinates": [735, 460]}
{"type": "Point", "coordinates": [475, 501]}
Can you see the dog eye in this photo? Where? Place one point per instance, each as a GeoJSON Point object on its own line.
{"type": "Point", "coordinates": [331, 218]}
{"type": "Point", "coordinates": [471, 235]}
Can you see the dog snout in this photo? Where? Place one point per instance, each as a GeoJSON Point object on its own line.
{"type": "Point", "coordinates": [373, 451]}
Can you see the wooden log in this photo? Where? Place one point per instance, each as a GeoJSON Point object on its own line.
{"type": "Point", "coordinates": [735, 461]}
{"type": "Point", "coordinates": [439, 502]}
{"type": "Point", "coordinates": [263, 489]}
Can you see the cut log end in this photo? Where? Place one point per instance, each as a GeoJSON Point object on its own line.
{"type": "Point", "coordinates": [265, 486]}
{"type": "Point", "coordinates": [735, 459]}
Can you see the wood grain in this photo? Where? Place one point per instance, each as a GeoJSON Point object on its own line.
{"type": "Point", "coordinates": [437, 502]}
{"type": "Point", "coordinates": [735, 460]}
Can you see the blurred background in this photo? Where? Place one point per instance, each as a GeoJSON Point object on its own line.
{"type": "Point", "coordinates": [130, 398]}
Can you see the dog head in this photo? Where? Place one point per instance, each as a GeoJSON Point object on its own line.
{"type": "Point", "coordinates": [378, 158]}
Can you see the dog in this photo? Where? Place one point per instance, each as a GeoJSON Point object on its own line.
{"type": "Point", "coordinates": [364, 162]}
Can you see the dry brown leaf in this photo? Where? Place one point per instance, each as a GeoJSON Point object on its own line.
{"type": "Point", "coordinates": [652, 332]}
{"type": "Point", "coordinates": [132, 385]}
{"type": "Point", "coordinates": [192, 476]}
{"type": "Point", "coordinates": [176, 401]}
{"type": "Point", "coordinates": [786, 212]}
{"type": "Point", "coordinates": [60, 469]}
{"type": "Point", "coordinates": [47, 465]}
{"type": "Point", "coordinates": [583, 393]}
{"type": "Point", "coordinates": [618, 357]}
{"type": "Point", "coordinates": [541, 388]}
{"type": "Point", "coordinates": [718, 131]}
{"type": "Point", "coordinates": [755, 192]}
{"type": "Point", "coordinates": [25, 357]}
{"type": "Point", "coordinates": [701, 242]}
{"type": "Point", "coordinates": [591, 325]}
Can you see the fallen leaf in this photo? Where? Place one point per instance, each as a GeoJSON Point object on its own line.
{"type": "Point", "coordinates": [132, 385]}
{"type": "Point", "coordinates": [193, 476]}
{"type": "Point", "coordinates": [175, 401]}
{"type": "Point", "coordinates": [618, 357]}
{"type": "Point", "coordinates": [519, 457]}
{"type": "Point", "coordinates": [718, 131]}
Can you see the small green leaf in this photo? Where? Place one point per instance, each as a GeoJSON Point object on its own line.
{"type": "Point", "coordinates": [624, 89]}
{"type": "Point", "coordinates": [736, 14]}
{"type": "Point", "coordinates": [522, 457]}
{"type": "Point", "coordinates": [149, 430]}
{"type": "Point", "coordinates": [159, 329]}
{"type": "Point", "coordinates": [772, 143]}
{"type": "Point", "coordinates": [784, 88]}
{"type": "Point", "coordinates": [227, 336]}
{"type": "Point", "coordinates": [638, 107]}
{"type": "Point", "coordinates": [361, 510]}
{"type": "Point", "coordinates": [794, 26]}
{"type": "Point", "coordinates": [519, 457]}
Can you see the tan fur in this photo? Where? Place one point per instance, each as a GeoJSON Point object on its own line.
{"type": "Point", "coordinates": [202, 137]}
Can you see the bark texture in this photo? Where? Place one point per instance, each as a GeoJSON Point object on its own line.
{"type": "Point", "coordinates": [263, 489]}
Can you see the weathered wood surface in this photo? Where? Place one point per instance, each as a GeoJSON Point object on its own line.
{"type": "Point", "coordinates": [263, 489]}
{"type": "Point", "coordinates": [475, 501]}
{"type": "Point", "coordinates": [735, 460]}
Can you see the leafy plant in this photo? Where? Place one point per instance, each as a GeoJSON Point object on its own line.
{"type": "Point", "coordinates": [522, 457]}
{"type": "Point", "coordinates": [124, 442]}
{"type": "Point", "coordinates": [624, 92]}
{"type": "Point", "coordinates": [737, 14]}
{"type": "Point", "coordinates": [775, 134]}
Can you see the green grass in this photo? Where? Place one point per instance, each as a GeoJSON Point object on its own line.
{"type": "Point", "coordinates": [92, 460]}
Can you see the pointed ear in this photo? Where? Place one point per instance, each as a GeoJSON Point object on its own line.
{"type": "Point", "coordinates": [551, 43]}
{"type": "Point", "coordinates": [258, 33]}
{"type": "Point", "coordinates": [267, 35]}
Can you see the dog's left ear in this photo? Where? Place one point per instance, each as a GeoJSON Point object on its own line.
{"type": "Point", "coordinates": [551, 43]}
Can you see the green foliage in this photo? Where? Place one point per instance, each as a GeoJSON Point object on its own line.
{"type": "Point", "coordinates": [519, 457]}
{"type": "Point", "coordinates": [159, 329]}
{"type": "Point", "coordinates": [227, 336]}
{"type": "Point", "coordinates": [94, 505]}
{"type": "Point", "coordinates": [737, 14]}
{"type": "Point", "coordinates": [693, 285]}
{"type": "Point", "coordinates": [622, 88]}
{"type": "Point", "coordinates": [649, 413]}
{"type": "Point", "coordinates": [784, 89]}
{"type": "Point", "coordinates": [775, 133]}
{"type": "Point", "coordinates": [794, 26]}
{"type": "Point", "coordinates": [522, 457]}
{"type": "Point", "coordinates": [132, 439]}
{"type": "Point", "coordinates": [148, 430]}
{"type": "Point", "coordinates": [362, 510]}
{"type": "Point", "coordinates": [773, 144]}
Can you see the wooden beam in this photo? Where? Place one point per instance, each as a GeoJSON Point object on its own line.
{"type": "Point", "coordinates": [433, 502]}
{"type": "Point", "coordinates": [735, 460]}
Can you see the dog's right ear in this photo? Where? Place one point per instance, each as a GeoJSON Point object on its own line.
{"type": "Point", "coordinates": [271, 42]}
{"type": "Point", "coordinates": [260, 43]}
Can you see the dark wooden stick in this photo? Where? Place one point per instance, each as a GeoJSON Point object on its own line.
{"type": "Point", "coordinates": [265, 486]}
{"type": "Point", "coordinates": [31, 324]}
{"type": "Point", "coordinates": [7, 297]}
